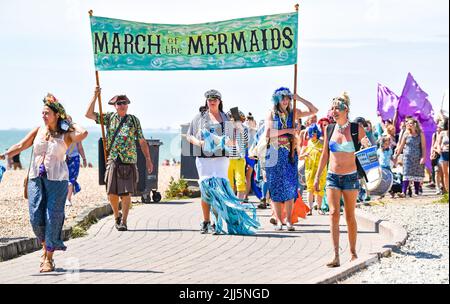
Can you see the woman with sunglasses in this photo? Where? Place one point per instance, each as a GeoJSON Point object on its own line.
{"type": "Point", "coordinates": [121, 176]}
{"type": "Point", "coordinates": [342, 178]}
{"type": "Point", "coordinates": [210, 132]}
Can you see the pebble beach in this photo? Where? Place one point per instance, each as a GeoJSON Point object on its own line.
{"type": "Point", "coordinates": [14, 218]}
{"type": "Point", "coordinates": [424, 259]}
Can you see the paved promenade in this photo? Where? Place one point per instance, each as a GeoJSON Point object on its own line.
{"type": "Point", "coordinates": [163, 245]}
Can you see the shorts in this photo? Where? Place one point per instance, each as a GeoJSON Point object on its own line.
{"type": "Point", "coordinates": [120, 178]}
{"type": "Point", "coordinates": [343, 182]}
{"type": "Point", "coordinates": [236, 174]}
{"type": "Point", "coordinates": [444, 157]}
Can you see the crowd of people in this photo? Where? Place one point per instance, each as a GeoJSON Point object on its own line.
{"type": "Point", "coordinates": [287, 153]}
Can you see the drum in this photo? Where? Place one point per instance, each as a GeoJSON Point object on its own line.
{"type": "Point", "coordinates": [369, 162]}
{"type": "Point", "coordinates": [368, 158]}
{"type": "Point", "coordinates": [381, 186]}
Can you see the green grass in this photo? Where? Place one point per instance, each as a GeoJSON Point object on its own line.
{"type": "Point", "coordinates": [78, 231]}
{"type": "Point", "coordinates": [81, 229]}
{"type": "Point", "coordinates": [442, 200]}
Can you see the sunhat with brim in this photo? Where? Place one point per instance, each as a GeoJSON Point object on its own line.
{"type": "Point", "coordinates": [118, 98]}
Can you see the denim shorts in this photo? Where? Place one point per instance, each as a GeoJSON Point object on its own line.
{"type": "Point", "coordinates": [342, 182]}
{"type": "Point", "coordinates": [444, 157]}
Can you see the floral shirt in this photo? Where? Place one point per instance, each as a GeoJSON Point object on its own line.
{"type": "Point", "coordinates": [125, 143]}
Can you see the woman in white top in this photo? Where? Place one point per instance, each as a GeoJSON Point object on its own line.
{"type": "Point", "coordinates": [48, 176]}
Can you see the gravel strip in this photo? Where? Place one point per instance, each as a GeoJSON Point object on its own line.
{"type": "Point", "coordinates": [425, 256]}
{"type": "Point", "coordinates": [14, 217]}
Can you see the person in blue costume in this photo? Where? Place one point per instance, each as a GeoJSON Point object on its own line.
{"type": "Point", "coordinates": [210, 132]}
{"type": "Point", "coordinates": [282, 174]}
{"type": "Point", "coordinates": [2, 170]}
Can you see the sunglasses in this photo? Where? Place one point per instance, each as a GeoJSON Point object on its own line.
{"type": "Point", "coordinates": [121, 103]}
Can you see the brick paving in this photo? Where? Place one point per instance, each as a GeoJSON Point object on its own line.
{"type": "Point", "coordinates": [163, 245]}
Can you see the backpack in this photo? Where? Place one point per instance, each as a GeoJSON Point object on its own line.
{"type": "Point", "coordinates": [354, 131]}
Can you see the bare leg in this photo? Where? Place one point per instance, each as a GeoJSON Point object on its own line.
{"type": "Point", "coordinates": [69, 192]}
{"type": "Point", "coordinates": [278, 208]}
{"type": "Point", "coordinates": [444, 167]}
{"type": "Point", "coordinates": [310, 200]}
{"type": "Point", "coordinates": [44, 253]}
{"type": "Point", "coordinates": [241, 195]}
{"type": "Point", "coordinates": [288, 205]}
{"type": "Point", "coordinates": [319, 201]}
{"type": "Point", "coordinates": [114, 202]}
{"type": "Point", "coordinates": [126, 202]}
{"type": "Point", "coordinates": [334, 197]}
{"type": "Point", "coordinates": [206, 211]}
{"type": "Point", "coordinates": [352, 227]}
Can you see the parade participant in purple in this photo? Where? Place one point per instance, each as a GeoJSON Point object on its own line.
{"type": "Point", "coordinates": [48, 177]}
{"type": "Point", "coordinates": [210, 132]}
{"type": "Point", "coordinates": [341, 140]}
{"type": "Point", "coordinates": [282, 173]}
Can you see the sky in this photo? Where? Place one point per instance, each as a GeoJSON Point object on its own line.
{"type": "Point", "coordinates": [345, 45]}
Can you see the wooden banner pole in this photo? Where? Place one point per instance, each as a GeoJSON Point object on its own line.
{"type": "Point", "coordinates": [102, 125]}
{"type": "Point", "coordinates": [294, 119]}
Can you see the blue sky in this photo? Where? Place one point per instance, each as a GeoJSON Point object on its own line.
{"type": "Point", "coordinates": [347, 45]}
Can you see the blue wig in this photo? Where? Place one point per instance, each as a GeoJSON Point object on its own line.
{"type": "Point", "coordinates": [314, 129]}
{"type": "Point", "coordinates": [279, 94]}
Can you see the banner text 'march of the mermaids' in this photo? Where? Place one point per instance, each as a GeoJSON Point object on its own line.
{"type": "Point", "coordinates": [209, 44]}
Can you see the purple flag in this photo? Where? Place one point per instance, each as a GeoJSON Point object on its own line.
{"type": "Point", "coordinates": [387, 103]}
{"type": "Point", "coordinates": [414, 102]}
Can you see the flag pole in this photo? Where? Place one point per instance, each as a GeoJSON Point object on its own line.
{"type": "Point", "coordinates": [294, 118]}
{"type": "Point", "coordinates": [102, 125]}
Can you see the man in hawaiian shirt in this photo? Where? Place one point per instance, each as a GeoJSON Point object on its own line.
{"type": "Point", "coordinates": [121, 175]}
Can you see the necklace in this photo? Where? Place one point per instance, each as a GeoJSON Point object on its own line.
{"type": "Point", "coordinates": [342, 128]}
{"type": "Point", "coordinates": [50, 133]}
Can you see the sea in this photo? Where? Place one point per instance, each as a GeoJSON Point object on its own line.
{"type": "Point", "coordinates": [169, 150]}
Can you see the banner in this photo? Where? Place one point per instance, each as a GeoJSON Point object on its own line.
{"type": "Point", "coordinates": [234, 44]}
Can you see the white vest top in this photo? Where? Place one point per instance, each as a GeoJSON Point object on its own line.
{"type": "Point", "coordinates": [52, 153]}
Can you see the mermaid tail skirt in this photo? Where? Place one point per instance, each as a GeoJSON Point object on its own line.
{"type": "Point", "coordinates": [227, 209]}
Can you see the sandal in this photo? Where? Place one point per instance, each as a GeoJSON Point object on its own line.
{"type": "Point", "coordinates": [48, 266]}
{"type": "Point", "coordinates": [321, 212]}
{"type": "Point", "coordinates": [43, 258]}
{"type": "Point", "coordinates": [334, 263]}
{"type": "Point", "coordinates": [262, 206]}
{"type": "Point", "coordinates": [354, 257]}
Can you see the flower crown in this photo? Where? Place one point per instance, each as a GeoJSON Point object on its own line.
{"type": "Point", "coordinates": [53, 103]}
{"type": "Point", "coordinates": [280, 93]}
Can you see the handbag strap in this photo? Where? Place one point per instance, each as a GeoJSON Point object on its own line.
{"type": "Point", "coordinates": [31, 159]}
{"type": "Point", "coordinates": [117, 132]}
